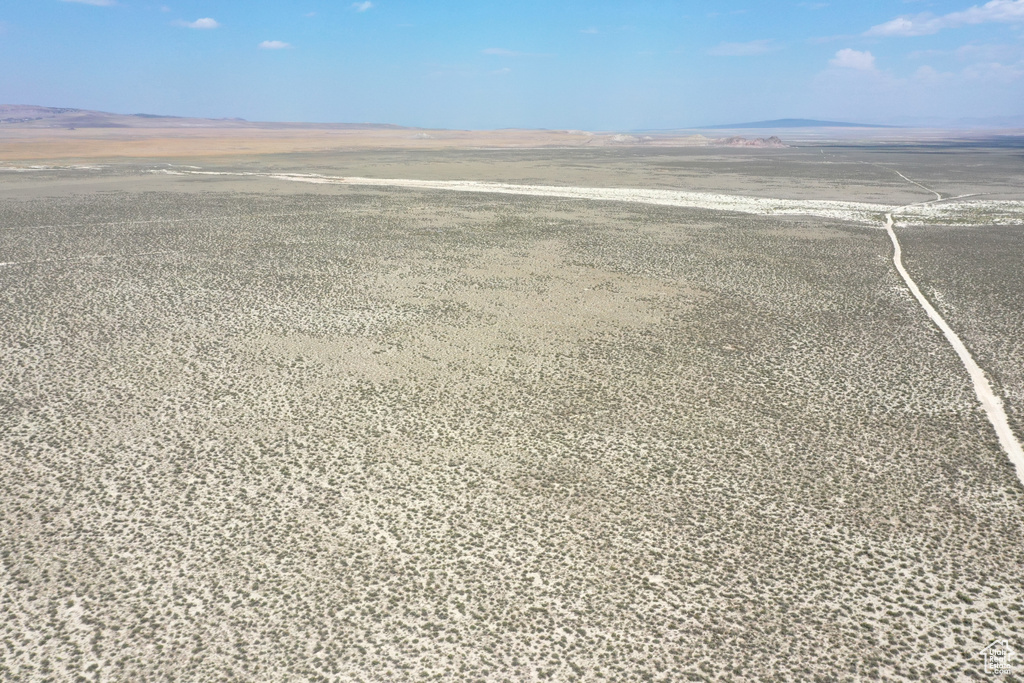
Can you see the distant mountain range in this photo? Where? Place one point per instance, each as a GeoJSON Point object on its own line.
{"type": "Point", "coordinates": [32, 116]}
{"type": "Point", "coordinates": [793, 123]}
{"type": "Point", "coordinates": [35, 117]}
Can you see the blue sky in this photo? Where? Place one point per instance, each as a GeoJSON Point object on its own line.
{"type": "Point", "coordinates": [544, 64]}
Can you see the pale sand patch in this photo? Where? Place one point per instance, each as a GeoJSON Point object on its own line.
{"type": "Point", "coordinates": [991, 212]}
{"type": "Point", "coordinates": [975, 212]}
{"type": "Point", "coordinates": [841, 210]}
{"type": "Point", "coordinates": [510, 306]}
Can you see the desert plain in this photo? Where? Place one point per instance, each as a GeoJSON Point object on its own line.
{"type": "Point", "coordinates": [259, 421]}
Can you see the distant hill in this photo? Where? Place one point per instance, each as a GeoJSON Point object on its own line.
{"type": "Point", "coordinates": [32, 116]}
{"type": "Point", "coordinates": [794, 123]}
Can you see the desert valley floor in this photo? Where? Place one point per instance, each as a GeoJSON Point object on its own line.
{"type": "Point", "coordinates": [260, 423]}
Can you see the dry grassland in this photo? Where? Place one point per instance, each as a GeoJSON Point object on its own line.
{"type": "Point", "coordinates": [172, 143]}
{"type": "Point", "coordinates": [274, 431]}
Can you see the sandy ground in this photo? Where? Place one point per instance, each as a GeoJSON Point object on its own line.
{"type": "Point", "coordinates": [106, 143]}
{"type": "Point", "coordinates": [277, 430]}
{"type": "Point", "coordinates": [203, 140]}
{"type": "Point", "coordinates": [1007, 213]}
{"type": "Point", "coordinates": [952, 211]}
{"type": "Point", "coordinates": [991, 403]}
{"type": "Point", "coordinates": [839, 172]}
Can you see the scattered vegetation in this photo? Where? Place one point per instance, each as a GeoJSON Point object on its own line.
{"type": "Point", "coordinates": [383, 434]}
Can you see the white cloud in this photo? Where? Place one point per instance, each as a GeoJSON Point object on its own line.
{"type": "Point", "coordinates": [992, 53]}
{"type": "Point", "coordinates": [853, 59]}
{"type": "Point", "coordinates": [974, 51]}
{"type": "Point", "coordinates": [902, 26]}
{"type": "Point", "coordinates": [994, 72]}
{"type": "Point", "coordinates": [996, 11]}
{"type": "Point", "coordinates": [362, 6]}
{"type": "Point", "coordinates": [928, 74]}
{"type": "Point", "coordinates": [502, 72]}
{"type": "Point", "coordinates": [274, 45]}
{"type": "Point", "coordinates": [204, 23]}
{"type": "Point", "coordinates": [754, 47]}
{"type": "Point", "coordinates": [97, 3]}
{"type": "Point", "coordinates": [592, 30]}
{"type": "Point", "coordinates": [980, 72]}
{"type": "Point", "coordinates": [1000, 64]}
